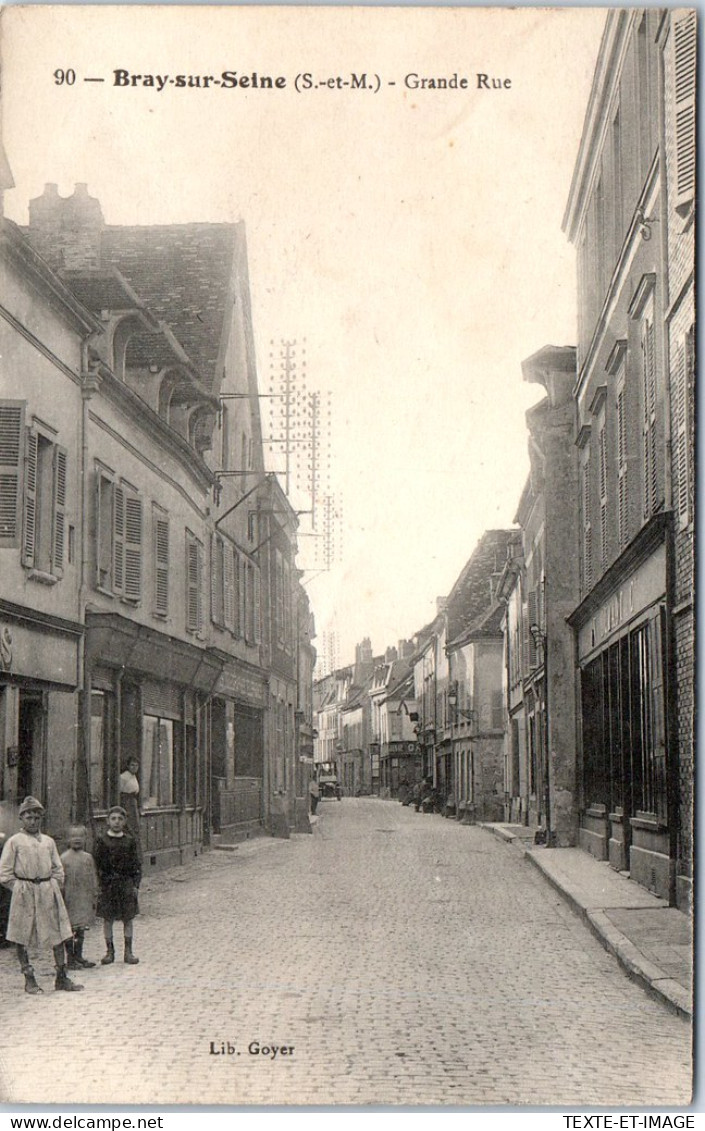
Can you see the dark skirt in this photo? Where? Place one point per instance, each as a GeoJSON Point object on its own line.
{"type": "Point", "coordinates": [117, 899]}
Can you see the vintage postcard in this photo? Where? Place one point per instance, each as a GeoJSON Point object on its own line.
{"type": "Point", "coordinates": [347, 556]}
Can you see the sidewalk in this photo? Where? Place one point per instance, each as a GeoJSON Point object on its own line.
{"type": "Point", "coordinates": [652, 941]}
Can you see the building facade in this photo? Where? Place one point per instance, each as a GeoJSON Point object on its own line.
{"type": "Point", "coordinates": [625, 622]}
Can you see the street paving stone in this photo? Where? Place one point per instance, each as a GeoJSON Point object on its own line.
{"type": "Point", "coordinates": [405, 958]}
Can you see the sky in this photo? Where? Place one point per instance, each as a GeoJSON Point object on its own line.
{"type": "Point", "coordinates": [412, 237]}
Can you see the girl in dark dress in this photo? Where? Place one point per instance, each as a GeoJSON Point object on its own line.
{"type": "Point", "coordinates": [119, 873]}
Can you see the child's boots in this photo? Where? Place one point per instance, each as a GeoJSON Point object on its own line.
{"type": "Point", "coordinates": [31, 986]}
{"type": "Point", "coordinates": [63, 982]}
{"type": "Point", "coordinates": [76, 961]}
{"type": "Point", "coordinates": [130, 958]}
{"type": "Point", "coordinates": [109, 955]}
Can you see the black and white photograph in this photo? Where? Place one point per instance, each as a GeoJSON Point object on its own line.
{"type": "Point", "coordinates": [347, 557]}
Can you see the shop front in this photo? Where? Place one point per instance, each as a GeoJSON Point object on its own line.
{"type": "Point", "coordinates": [237, 751]}
{"type": "Point", "coordinates": [627, 794]}
{"type": "Point", "coordinates": [148, 696]}
{"type": "Point", "coordinates": [39, 677]}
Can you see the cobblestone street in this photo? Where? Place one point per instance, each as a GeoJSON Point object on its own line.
{"type": "Point", "coordinates": [403, 958]}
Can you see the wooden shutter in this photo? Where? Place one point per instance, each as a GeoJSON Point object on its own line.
{"type": "Point", "coordinates": [217, 579]}
{"type": "Point", "coordinates": [684, 36]}
{"type": "Point", "coordinates": [257, 597]}
{"type": "Point", "coordinates": [161, 565]}
{"type": "Point", "coordinates": [133, 547]}
{"type": "Point", "coordinates": [11, 435]}
{"type": "Point", "coordinates": [229, 587]}
{"type": "Point", "coordinates": [532, 610]}
{"type": "Point", "coordinates": [193, 585]}
{"type": "Point", "coordinates": [118, 539]}
{"type": "Point", "coordinates": [29, 526]}
{"type": "Point", "coordinates": [59, 511]}
{"type": "Point", "coordinates": [242, 594]}
{"type": "Point", "coordinates": [622, 524]}
{"type": "Point", "coordinates": [587, 527]}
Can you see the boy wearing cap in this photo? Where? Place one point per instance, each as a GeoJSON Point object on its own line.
{"type": "Point", "coordinates": [30, 867]}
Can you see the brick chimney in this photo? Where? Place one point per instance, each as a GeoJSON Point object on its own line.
{"type": "Point", "coordinates": [66, 231]}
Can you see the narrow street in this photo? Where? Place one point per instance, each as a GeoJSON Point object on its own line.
{"type": "Point", "coordinates": [400, 957]}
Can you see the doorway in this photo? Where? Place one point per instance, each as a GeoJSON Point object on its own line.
{"type": "Point", "coordinates": [31, 733]}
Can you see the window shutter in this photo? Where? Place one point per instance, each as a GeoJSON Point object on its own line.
{"type": "Point", "coordinates": [229, 587]}
{"type": "Point", "coordinates": [242, 573]}
{"type": "Point", "coordinates": [161, 566]}
{"type": "Point", "coordinates": [684, 65]}
{"type": "Point", "coordinates": [59, 516]}
{"type": "Point", "coordinates": [587, 527]}
{"type": "Point", "coordinates": [192, 584]}
{"type": "Point", "coordinates": [217, 579]}
{"type": "Point", "coordinates": [133, 547]}
{"type": "Point", "coordinates": [118, 539]}
{"type": "Point", "coordinates": [622, 473]}
{"type": "Point", "coordinates": [257, 636]}
{"type": "Point", "coordinates": [11, 433]}
{"type": "Point", "coordinates": [533, 621]}
{"type": "Point", "coordinates": [29, 529]}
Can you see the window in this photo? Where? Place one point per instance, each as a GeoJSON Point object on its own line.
{"type": "Point", "coordinates": [157, 761]}
{"type": "Point", "coordinates": [622, 481]}
{"type": "Point", "coordinates": [684, 50]}
{"type": "Point", "coordinates": [602, 443]}
{"type": "Point", "coordinates": [650, 469]}
{"type": "Point", "coordinates": [118, 538]}
{"type": "Point", "coordinates": [683, 385]}
{"type": "Point", "coordinates": [11, 466]}
{"type": "Point", "coordinates": [160, 524]}
{"type": "Point", "coordinates": [194, 583]}
{"type": "Point", "coordinates": [223, 583]}
{"type": "Point", "coordinates": [33, 480]}
{"type": "Point", "coordinates": [587, 524]}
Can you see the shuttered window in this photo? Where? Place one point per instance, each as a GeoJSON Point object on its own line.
{"type": "Point", "coordinates": [12, 414]}
{"type": "Point", "coordinates": [43, 543]}
{"type": "Point", "coordinates": [194, 581]}
{"type": "Point", "coordinates": [683, 376]}
{"type": "Point", "coordinates": [684, 49]}
{"type": "Point", "coordinates": [587, 526]}
{"type": "Point", "coordinates": [217, 569]}
{"type": "Point", "coordinates": [242, 595]}
{"type": "Point", "coordinates": [649, 454]}
{"type": "Point", "coordinates": [622, 484]}
{"type": "Point", "coordinates": [602, 441]}
{"type": "Point", "coordinates": [133, 547]}
{"type": "Point", "coordinates": [257, 605]}
{"type": "Point", "coordinates": [161, 563]}
{"type": "Point", "coordinates": [229, 592]}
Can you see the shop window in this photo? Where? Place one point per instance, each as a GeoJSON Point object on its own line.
{"type": "Point", "coordinates": [157, 762]}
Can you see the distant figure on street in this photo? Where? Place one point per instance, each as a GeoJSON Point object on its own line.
{"type": "Point", "coordinates": [80, 894]}
{"type": "Point", "coordinates": [314, 794]}
{"type": "Point", "coordinates": [119, 874]}
{"type": "Point", "coordinates": [130, 799]}
{"type": "Point", "coordinates": [30, 867]}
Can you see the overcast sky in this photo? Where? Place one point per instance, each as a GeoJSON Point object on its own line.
{"type": "Point", "coordinates": [412, 237]}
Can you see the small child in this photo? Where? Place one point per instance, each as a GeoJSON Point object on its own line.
{"type": "Point", "coordinates": [120, 873]}
{"type": "Point", "coordinates": [80, 894]}
{"type": "Point", "coordinates": [31, 868]}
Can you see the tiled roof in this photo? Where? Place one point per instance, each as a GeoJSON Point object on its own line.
{"type": "Point", "coordinates": [472, 596]}
{"type": "Point", "coordinates": [182, 273]}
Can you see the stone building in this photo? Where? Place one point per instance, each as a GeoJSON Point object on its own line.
{"type": "Point", "coordinates": [677, 45]}
{"type": "Point", "coordinates": [43, 328]}
{"type": "Point", "coordinates": [632, 361]}
{"type": "Point", "coordinates": [179, 620]}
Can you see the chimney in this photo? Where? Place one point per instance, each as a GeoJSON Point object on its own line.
{"type": "Point", "coordinates": [390, 655]}
{"type": "Point", "coordinates": [66, 231]}
{"type": "Point", "coordinates": [441, 604]}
